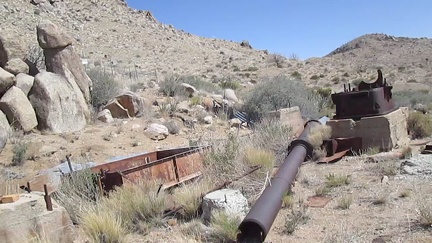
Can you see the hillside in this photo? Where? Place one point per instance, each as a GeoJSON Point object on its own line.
{"type": "Point", "coordinates": [135, 44]}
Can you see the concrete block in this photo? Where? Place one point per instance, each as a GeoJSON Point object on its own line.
{"type": "Point", "coordinates": [291, 117]}
{"type": "Point", "coordinates": [232, 201]}
{"type": "Point", "coordinates": [28, 218]}
{"type": "Point", "coordinates": [384, 132]}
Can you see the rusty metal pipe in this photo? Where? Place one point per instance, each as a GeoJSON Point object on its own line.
{"type": "Point", "coordinates": [257, 223]}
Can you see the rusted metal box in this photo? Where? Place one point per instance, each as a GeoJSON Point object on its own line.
{"type": "Point", "coordinates": [171, 166]}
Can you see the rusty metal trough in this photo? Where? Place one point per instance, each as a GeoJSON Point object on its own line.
{"type": "Point", "coordinates": [172, 166]}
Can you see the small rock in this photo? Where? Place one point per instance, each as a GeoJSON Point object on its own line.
{"type": "Point", "coordinates": [385, 180]}
{"type": "Point", "coordinates": [189, 88]}
{"type": "Point", "coordinates": [235, 122]}
{"type": "Point", "coordinates": [183, 107]}
{"type": "Point", "coordinates": [208, 120]}
{"type": "Point", "coordinates": [136, 126]}
{"type": "Point", "coordinates": [156, 131]}
{"type": "Point", "coordinates": [105, 116]}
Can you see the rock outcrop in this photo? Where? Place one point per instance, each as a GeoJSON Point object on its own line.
{"type": "Point", "coordinates": [59, 108]}
{"type": "Point", "coordinates": [11, 46]}
{"type": "Point", "coordinates": [61, 58]}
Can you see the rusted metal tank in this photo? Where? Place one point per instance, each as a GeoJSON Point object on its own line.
{"type": "Point", "coordinates": [257, 223]}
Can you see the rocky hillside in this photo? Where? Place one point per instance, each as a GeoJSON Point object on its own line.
{"type": "Point", "coordinates": [133, 43]}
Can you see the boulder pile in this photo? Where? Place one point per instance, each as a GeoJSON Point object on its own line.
{"type": "Point", "coordinates": [55, 100]}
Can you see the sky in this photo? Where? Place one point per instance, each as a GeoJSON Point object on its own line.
{"type": "Point", "coordinates": [305, 28]}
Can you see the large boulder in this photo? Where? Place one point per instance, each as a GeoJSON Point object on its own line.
{"type": "Point", "coordinates": [126, 105]}
{"type": "Point", "coordinates": [7, 80]}
{"type": "Point", "coordinates": [59, 108]}
{"type": "Point", "coordinates": [50, 36]}
{"type": "Point", "coordinates": [11, 46]}
{"type": "Point", "coordinates": [4, 130]}
{"type": "Point", "coordinates": [24, 82]}
{"type": "Point", "coordinates": [61, 57]}
{"type": "Point", "coordinates": [18, 109]}
{"type": "Point", "coordinates": [16, 65]}
{"type": "Point", "coordinates": [230, 95]}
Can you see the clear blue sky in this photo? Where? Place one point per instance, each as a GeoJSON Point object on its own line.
{"type": "Point", "coordinates": [308, 28]}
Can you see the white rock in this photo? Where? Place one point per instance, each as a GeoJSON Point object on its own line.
{"type": "Point", "coordinates": [231, 201]}
{"type": "Point", "coordinates": [156, 131]}
{"type": "Point", "coordinates": [208, 119]}
{"type": "Point", "coordinates": [105, 116]}
{"type": "Point", "coordinates": [230, 95]}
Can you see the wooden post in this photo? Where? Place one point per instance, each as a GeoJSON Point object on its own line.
{"type": "Point", "coordinates": [47, 198]}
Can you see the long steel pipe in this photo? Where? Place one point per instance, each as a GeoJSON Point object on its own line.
{"type": "Point", "coordinates": [257, 223]}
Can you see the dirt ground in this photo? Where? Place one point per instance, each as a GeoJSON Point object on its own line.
{"type": "Point", "coordinates": [394, 219]}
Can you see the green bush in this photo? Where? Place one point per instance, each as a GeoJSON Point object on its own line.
{"type": "Point", "coordinates": [105, 87]}
{"type": "Point", "coordinates": [278, 93]}
{"type": "Point", "coordinates": [419, 125]}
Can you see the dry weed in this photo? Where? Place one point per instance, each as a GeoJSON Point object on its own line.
{"type": "Point", "coordinates": [225, 227]}
{"type": "Point", "coordinates": [189, 196]}
{"type": "Point", "coordinates": [102, 225]}
{"type": "Point", "coordinates": [345, 202]}
{"type": "Point", "coordinates": [257, 156]}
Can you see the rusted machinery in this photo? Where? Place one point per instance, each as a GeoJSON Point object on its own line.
{"type": "Point", "coordinates": [367, 99]}
{"type": "Point", "coordinates": [257, 223]}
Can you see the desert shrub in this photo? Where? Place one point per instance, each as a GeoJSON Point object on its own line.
{"type": "Point", "coordinates": [200, 84]}
{"type": "Point", "coordinates": [19, 151]}
{"type": "Point", "coordinates": [76, 192]}
{"type": "Point", "coordinates": [225, 227]}
{"type": "Point", "coordinates": [281, 92]}
{"type": "Point", "coordinates": [105, 87]}
{"type": "Point", "coordinates": [419, 125]}
{"type": "Point", "coordinates": [295, 218]}
{"type": "Point", "coordinates": [171, 86]}
{"type": "Point", "coordinates": [168, 108]}
{"type": "Point", "coordinates": [229, 84]}
{"type": "Point", "coordinates": [278, 59]}
{"type": "Point", "coordinates": [322, 190]}
{"type": "Point", "coordinates": [409, 98]}
{"type": "Point", "coordinates": [251, 69]}
{"type": "Point", "coordinates": [314, 77]}
{"type": "Point", "coordinates": [195, 100]}
{"type": "Point", "coordinates": [189, 197]}
{"type": "Point", "coordinates": [173, 127]}
{"type": "Point", "coordinates": [296, 75]}
{"type": "Point", "coordinates": [345, 202]}
{"type": "Point", "coordinates": [271, 135]}
{"type": "Point", "coordinates": [424, 208]}
{"type": "Point", "coordinates": [333, 180]}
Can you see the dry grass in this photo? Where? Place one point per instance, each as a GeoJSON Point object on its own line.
{"type": "Point", "coordinates": [333, 180]}
{"type": "Point", "coordinates": [318, 133]}
{"type": "Point", "coordinates": [139, 205]}
{"type": "Point", "coordinates": [257, 156]}
{"type": "Point", "coordinates": [193, 230]}
{"type": "Point", "coordinates": [103, 225]}
{"type": "Point", "coordinates": [424, 207]}
{"type": "Point", "coordinates": [189, 197]}
{"type": "Point", "coordinates": [419, 125]}
{"type": "Point", "coordinates": [295, 218]}
{"type": "Point", "coordinates": [345, 202]}
{"type": "Point", "coordinates": [387, 167]}
{"type": "Point", "coordinates": [225, 227]}
{"type": "Point", "coordinates": [77, 192]}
